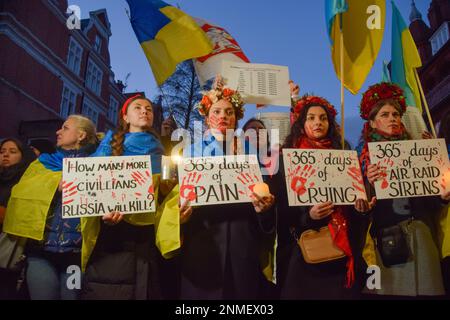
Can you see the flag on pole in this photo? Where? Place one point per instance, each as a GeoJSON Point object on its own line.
{"type": "Point", "coordinates": [386, 76]}
{"type": "Point", "coordinates": [405, 58]}
{"type": "Point", "coordinates": [363, 28]}
{"type": "Point", "coordinates": [167, 35]}
{"type": "Point", "coordinates": [225, 48]}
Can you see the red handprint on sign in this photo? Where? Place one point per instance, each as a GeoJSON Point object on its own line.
{"type": "Point", "coordinates": [142, 179]}
{"type": "Point", "coordinates": [300, 178]}
{"type": "Point", "coordinates": [69, 190]}
{"type": "Point", "coordinates": [249, 181]}
{"type": "Point", "coordinates": [358, 183]}
{"type": "Point", "coordinates": [188, 186]}
{"type": "Point", "coordinates": [386, 163]}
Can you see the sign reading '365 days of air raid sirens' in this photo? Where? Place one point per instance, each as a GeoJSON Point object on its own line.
{"type": "Point", "coordinates": [413, 168]}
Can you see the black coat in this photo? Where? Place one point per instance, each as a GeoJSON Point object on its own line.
{"type": "Point", "coordinates": [123, 265]}
{"type": "Point", "coordinates": [220, 257]}
{"type": "Point", "coordinates": [300, 280]}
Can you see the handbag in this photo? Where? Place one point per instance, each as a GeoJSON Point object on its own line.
{"type": "Point", "coordinates": [318, 246]}
{"type": "Point", "coordinates": [392, 246]}
{"type": "Point", "coordinates": [12, 252]}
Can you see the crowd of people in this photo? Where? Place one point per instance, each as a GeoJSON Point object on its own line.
{"type": "Point", "coordinates": [233, 251]}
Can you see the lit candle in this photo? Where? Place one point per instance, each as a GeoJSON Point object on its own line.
{"type": "Point", "coordinates": [261, 189]}
{"type": "Point", "coordinates": [169, 167]}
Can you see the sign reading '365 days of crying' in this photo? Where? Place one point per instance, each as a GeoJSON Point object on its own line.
{"type": "Point", "coordinates": [317, 176]}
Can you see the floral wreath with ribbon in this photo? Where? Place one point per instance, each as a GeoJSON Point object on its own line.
{"type": "Point", "coordinates": [219, 92]}
{"type": "Point", "coordinates": [379, 92]}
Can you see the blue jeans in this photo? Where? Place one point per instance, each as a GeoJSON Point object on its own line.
{"type": "Point", "coordinates": [47, 276]}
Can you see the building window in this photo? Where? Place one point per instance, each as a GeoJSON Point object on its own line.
{"type": "Point", "coordinates": [113, 109]}
{"type": "Point", "coordinates": [68, 102]}
{"type": "Point", "coordinates": [74, 56]}
{"type": "Point", "coordinates": [98, 44]}
{"type": "Point", "coordinates": [91, 112]}
{"type": "Point", "coordinates": [94, 78]}
{"type": "Point", "coordinates": [439, 38]}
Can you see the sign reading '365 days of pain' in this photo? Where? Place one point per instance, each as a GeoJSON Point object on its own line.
{"type": "Point", "coordinates": [96, 186]}
{"type": "Point", "coordinates": [218, 180]}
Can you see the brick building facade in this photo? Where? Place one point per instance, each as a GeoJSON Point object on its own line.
{"type": "Point", "coordinates": [434, 49]}
{"type": "Point", "coordinates": [48, 71]}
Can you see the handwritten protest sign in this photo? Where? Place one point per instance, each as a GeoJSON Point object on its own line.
{"type": "Point", "coordinates": [414, 168]}
{"type": "Point", "coordinates": [218, 180]}
{"type": "Point", "coordinates": [96, 186]}
{"type": "Point", "coordinates": [316, 176]}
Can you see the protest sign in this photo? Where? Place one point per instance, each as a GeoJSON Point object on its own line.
{"type": "Point", "coordinates": [317, 176]}
{"type": "Point", "coordinates": [96, 186]}
{"type": "Point", "coordinates": [413, 168]}
{"type": "Point", "coordinates": [218, 180]}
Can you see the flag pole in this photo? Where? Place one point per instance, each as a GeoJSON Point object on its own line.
{"type": "Point", "coordinates": [341, 52]}
{"type": "Point", "coordinates": [427, 108]}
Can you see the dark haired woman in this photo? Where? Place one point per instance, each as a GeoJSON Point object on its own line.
{"type": "Point", "coordinates": [14, 159]}
{"type": "Point", "coordinates": [416, 270]}
{"type": "Point", "coordinates": [314, 127]}
{"type": "Point", "coordinates": [120, 252]}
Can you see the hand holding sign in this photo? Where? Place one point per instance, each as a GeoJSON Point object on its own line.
{"type": "Point", "coordinates": [185, 212]}
{"type": "Point", "coordinates": [321, 211]}
{"type": "Point", "coordinates": [112, 218]}
{"type": "Point", "coordinates": [363, 206]}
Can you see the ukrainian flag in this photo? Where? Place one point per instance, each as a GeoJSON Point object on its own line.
{"type": "Point", "coordinates": [405, 58]}
{"type": "Point", "coordinates": [363, 26]}
{"type": "Point", "coordinates": [167, 35]}
{"type": "Point", "coordinates": [31, 198]}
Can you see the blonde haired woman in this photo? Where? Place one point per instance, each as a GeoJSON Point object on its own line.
{"type": "Point", "coordinates": [35, 212]}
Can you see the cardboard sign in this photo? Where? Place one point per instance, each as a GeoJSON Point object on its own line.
{"type": "Point", "coordinates": [96, 186]}
{"type": "Point", "coordinates": [317, 176]}
{"type": "Point", "coordinates": [414, 168]}
{"type": "Point", "coordinates": [218, 180]}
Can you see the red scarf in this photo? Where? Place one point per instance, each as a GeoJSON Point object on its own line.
{"type": "Point", "coordinates": [338, 224]}
{"type": "Point", "coordinates": [375, 135]}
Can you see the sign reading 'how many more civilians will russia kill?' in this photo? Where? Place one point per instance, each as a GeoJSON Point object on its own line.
{"type": "Point", "coordinates": [97, 186]}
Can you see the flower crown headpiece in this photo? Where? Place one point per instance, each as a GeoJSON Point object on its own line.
{"type": "Point", "coordinates": [310, 100]}
{"type": "Point", "coordinates": [220, 92]}
{"type": "Point", "coordinates": [378, 92]}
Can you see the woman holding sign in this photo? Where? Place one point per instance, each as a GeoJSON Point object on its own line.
{"type": "Point", "coordinates": [336, 276]}
{"type": "Point", "coordinates": [403, 228]}
{"type": "Point", "coordinates": [220, 253]}
{"type": "Point", "coordinates": [35, 212]}
{"type": "Point", "coordinates": [119, 252]}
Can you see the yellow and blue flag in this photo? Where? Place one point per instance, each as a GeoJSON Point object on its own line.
{"type": "Point", "coordinates": [31, 198]}
{"type": "Point", "coordinates": [405, 58]}
{"type": "Point", "coordinates": [362, 24]}
{"type": "Point", "coordinates": [167, 35]}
